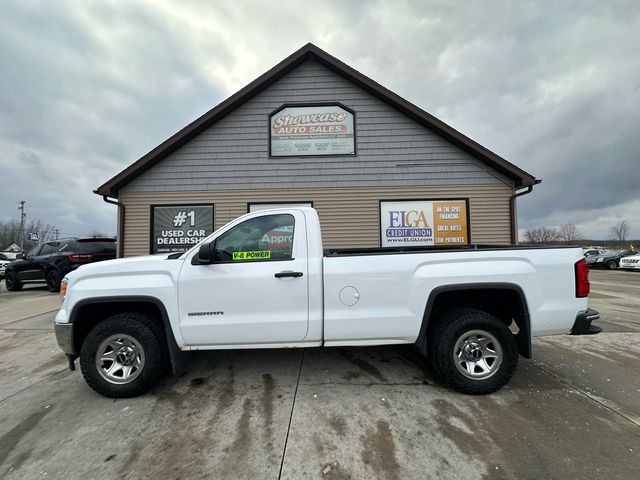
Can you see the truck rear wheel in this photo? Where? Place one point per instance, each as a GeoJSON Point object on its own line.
{"type": "Point", "coordinates": [473, 351]}
{"type": "Point", "coordinates": [124, 355]}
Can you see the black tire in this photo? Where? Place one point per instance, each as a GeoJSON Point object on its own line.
{"type": "Point", "coordinates": [12, 283]}
{"type": "Point", "coordinates": [612, 265]}
{"type": "Point", "coordinates": [149, 335]}
{"type": "Point", "coordinates": [53, 280]}
{"type": "Point", "coordinates": [455, 326]}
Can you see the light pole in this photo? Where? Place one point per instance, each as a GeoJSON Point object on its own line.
{"type": "Point", "coordinates": [23, 215]}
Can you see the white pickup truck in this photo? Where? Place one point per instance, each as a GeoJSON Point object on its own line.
{"type": "Point", "coordinates": [264, 281]}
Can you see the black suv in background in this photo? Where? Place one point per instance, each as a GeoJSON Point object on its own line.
{"type": "Point", "coordinates": [50, 262]}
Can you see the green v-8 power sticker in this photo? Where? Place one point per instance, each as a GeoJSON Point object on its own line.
{"type": "Point", "coordinates": [252, 255]}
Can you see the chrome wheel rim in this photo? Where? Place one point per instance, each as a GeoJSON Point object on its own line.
{"type": "Point", "coordinates": [477, 354]}
{"type": "Point", "coordinates": [120, 359]}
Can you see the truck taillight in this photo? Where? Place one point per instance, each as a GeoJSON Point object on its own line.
{"type": "Point", "coordinates": [79, 258]}
{"type": "Point", "coordinates": [582, 278]}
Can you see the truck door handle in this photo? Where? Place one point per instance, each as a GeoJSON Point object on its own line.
{"type": "Point", "coordinates": [288, 273]}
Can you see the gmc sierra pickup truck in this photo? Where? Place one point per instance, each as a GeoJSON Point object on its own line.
{"type": "Point", "coordinates": [264, 281]}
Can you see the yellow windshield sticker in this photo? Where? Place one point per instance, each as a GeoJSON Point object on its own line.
{"type": "Point", "coordinates": [252, 255]}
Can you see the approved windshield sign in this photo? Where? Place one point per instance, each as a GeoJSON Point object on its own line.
{"type": "Point", "coordinates": [312, 130]}
{"type": "Point", "coordinates": [424, 222]}
{"type": "Point", "coordinates": [177, 228]}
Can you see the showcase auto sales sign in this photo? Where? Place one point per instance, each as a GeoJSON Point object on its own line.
{"type": "Point", "coordinates": [312, 130]}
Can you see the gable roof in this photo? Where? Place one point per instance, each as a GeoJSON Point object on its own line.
{"type": "Point", "coordinates": [519, 176]}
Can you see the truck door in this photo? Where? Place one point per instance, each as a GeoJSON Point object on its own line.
{"type": "Point", "coordinates": [255, 291]}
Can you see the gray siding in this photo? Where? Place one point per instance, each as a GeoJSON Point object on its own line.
{"type": "Point", "coordinates": [392, 150]}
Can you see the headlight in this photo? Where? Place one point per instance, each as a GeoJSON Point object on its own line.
{"type": "Point", "coordinates": [63, 287]}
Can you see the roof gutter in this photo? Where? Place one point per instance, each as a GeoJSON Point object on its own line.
{"type": "Point", "coordinates": [121, 209]}
{"type": "Point", "coordinates": [512, 207]}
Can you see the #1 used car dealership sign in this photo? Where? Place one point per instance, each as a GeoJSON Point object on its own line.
{"type": "Point", "coordinates": [177, 228]}
{"type": "Point", "coordinates": [312, 130]}
{"type": "Point", "coordinates": [424, 222]}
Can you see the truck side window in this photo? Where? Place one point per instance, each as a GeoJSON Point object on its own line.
{"type": "Point", "coordinates": [266, 238]}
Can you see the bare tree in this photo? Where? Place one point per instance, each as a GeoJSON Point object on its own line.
{"type": "Point", "coordinates": [570, 233]}
{"type": "Point", "coordinates": [619, 232]}
{"type": "Point", "coordinates": [531, 235]}
{"type": "Point", "coordinates": [10, 232]}
{"type": "Point", "coordinates": [98, 234]}
{"type": "Point", "coordinates": [542, 235]}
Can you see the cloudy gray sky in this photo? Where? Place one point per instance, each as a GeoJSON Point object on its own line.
{"type": "Point", "coordinates": [86, 88]}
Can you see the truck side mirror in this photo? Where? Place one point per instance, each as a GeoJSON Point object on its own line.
{"type": "Point", "coordinates": [205, 252]}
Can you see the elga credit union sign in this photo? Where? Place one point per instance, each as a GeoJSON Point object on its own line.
{"type": "Point", "coordinates": [177, 228]}
{"type": "Point", "coordinates": [424, 222]}
{"type": "Point", "coordinates": [312, 130]}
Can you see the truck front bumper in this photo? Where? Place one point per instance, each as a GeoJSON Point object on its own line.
{"type": "Point", "coordinates": [582, 325]}
{"type": "Point", "coordinates": [64, 336]}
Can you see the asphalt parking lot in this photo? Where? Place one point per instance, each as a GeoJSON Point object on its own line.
{"type": "Point", "coordinates": [572, 412]}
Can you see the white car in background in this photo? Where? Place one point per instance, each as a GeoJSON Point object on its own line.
{"type": "Point", "coordinates": [630, 263]}
{"type": "Point", "coordinates": [6, 258]}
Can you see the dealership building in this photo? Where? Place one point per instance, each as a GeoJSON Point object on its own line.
{"type": "Point", "coordinates": [314, 131]}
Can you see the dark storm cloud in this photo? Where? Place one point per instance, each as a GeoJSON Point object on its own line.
{"type": "Point", "coordinates": [85, 91]}
{"type": "Point", "coordinates": [551, 86]}
{"type": "Point", "coordinates": [87, 88]}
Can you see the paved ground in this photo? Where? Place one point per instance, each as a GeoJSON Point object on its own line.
{"type": "Point", "coordinates": [573, 412]}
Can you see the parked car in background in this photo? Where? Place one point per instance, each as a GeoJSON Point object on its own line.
{"type": "Point", "coordinates": [631, 262]}
{"type": "Point", "coordinates": [608, 259]}
{"type": "Point", "coordinates": [50, 262]}
{"type": "Point", "coordinates": [5, 259]}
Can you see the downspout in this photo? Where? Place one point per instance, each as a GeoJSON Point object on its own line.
{"type": "Point", "coordinates": [512, 207]}
{"type": "Point", "coordinates": [120, 206]}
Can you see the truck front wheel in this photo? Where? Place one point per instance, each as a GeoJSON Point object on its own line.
{"type": "Point", "coordinates": [124, 355]}
{"type": "Point", "coordinates": [473, 351]}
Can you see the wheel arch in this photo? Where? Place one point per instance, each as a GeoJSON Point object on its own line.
{"type": "Point", "coordinates": [89, 312]}
{"type": "Point", "coordinates": [481, 296]}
